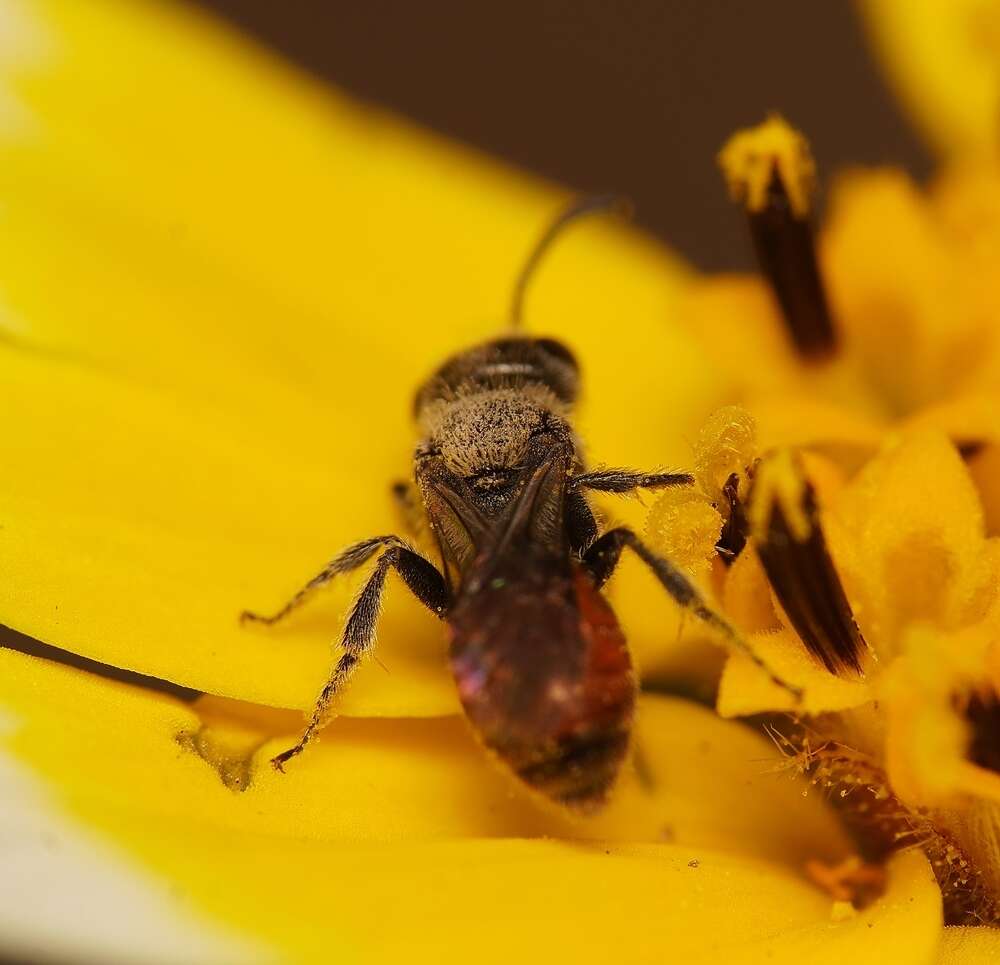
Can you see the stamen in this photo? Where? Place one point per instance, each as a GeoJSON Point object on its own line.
{"type": "Point", "coordinates": [785, 525]}
{"type": "Point", "coordinates": [733, 537]}
{"type": "Point", "coordinates": [881, 823]}
{"type": "Point", "coordinates": [770, 170]}
{"type": "Point", "coordinates": [723, 456]}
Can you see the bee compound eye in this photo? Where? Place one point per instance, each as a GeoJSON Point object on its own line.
{"type": "Point", "coordinates": [560, 367]}
{"type": "Point", "coordinates": [557, 351]}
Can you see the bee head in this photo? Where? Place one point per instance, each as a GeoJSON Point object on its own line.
{"type": "Point", "coordinates": [511, 363]}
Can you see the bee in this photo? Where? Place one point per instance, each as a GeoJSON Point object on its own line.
{"type": "Point", "coordinates": [541, 665]}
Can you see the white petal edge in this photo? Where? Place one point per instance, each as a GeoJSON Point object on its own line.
{"type": "Point", "coordinates": [66, 895]}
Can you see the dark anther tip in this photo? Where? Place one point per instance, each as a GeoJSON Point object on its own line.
{"type": "Point", "coordinates": [801, 570]}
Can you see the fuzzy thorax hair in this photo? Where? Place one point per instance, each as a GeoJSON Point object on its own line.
{"type": "Point", "coordinates": [482, 429]}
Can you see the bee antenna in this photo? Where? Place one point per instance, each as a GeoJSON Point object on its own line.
{"type": "Point", "coordinates": [580, 208]}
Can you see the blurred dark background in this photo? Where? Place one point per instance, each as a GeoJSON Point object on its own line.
{"type": "Point", "coordinates": [634, 96]}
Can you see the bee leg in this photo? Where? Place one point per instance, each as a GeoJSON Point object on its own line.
{"type": "Point", "coordinates": [628, 480]}
{"type": "Point", "coordinates": [603, 556]}
{"type": "Point", "coordinates": [581, 527]}
{"type": "Point", "coordinates": [429, 587]}
{"type": "Point", "coordinates": [350, 559]}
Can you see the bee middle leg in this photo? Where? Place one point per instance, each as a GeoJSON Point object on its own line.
{"type": "Point", "coordinates": [602, 557]}
{"type": "Point", "coordinates": [429, 587]}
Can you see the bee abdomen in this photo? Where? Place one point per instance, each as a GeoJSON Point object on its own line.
{"type": "Point", "coordinates": [578, 772]}
{"type": "Point", "coordinates": [545, 678]}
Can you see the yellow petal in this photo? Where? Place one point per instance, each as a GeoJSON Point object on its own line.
{"type": "Point", "coordinates": [969, 946]}
{"type": "Point", "coordinates": [745, 689]}
{"type": "Point", "coordinates": [908, 537]}
{"type": "Point", "coordinates": [748, 598]}
{"type": "Point", "coordinates": [971, 418]}
{"type": "Point", "coordinates": [902, 926]}
{"type": "Point", "coordinates": [943, 60]}
{"type": "Point", "coordinates": [710, 782]}
{"type": "Point", "coordinates": [744, 341]}
{"type": "Point", "coordinates": [984, 467]}
{"type": "Point", "coordinates": [928, 737]}
{"type": "Point", "coordinates": [222, 285]}
{"type": "Point", "coordinates": [925, 738]}
{"type": "Point", "coordinates": [910, 312]}
{"type": "Point", "coordinates": [704, 781]}
{"type": "Point", "coordinates": [738, 323]}
{"type": "Point", "coordinates": [392, 829]}
{"type": "Point", "coordinates": [794, 420]}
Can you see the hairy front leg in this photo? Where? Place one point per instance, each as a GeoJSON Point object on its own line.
{"type": "Point", "coordinates": [628, 480]}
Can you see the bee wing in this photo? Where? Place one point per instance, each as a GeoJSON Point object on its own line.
{"type": "Point", "coordinates": [535, 515]}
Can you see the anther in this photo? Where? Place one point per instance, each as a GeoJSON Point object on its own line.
{"type": "Point", "coordinates": [771, 172]}
{"type": "Point", "coordinates": [789, 538]}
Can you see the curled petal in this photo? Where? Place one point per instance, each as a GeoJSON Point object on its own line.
{"type": "Point", "coordinates": [908, 537]}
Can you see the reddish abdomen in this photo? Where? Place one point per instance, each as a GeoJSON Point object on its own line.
{"type": "Point", "coordinates": [544, 675]}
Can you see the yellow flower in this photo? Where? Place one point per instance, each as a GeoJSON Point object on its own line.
{"type": "Point", "coordinates": [873, 591]}
{"type": "Point", "coordinates": [221, 286]}
{"type": "Point", "coordinates": [871, 570]}
{"type": "Point", "coordinates": [879, 597]}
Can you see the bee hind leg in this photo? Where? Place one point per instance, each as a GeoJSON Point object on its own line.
{"type": "Point", "coordinates": [429, 587]}
{"type": "Point", "coordinates": [603, 556]}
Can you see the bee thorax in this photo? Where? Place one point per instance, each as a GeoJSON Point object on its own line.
{"type": "Point", "coordinates": [491, 430]}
